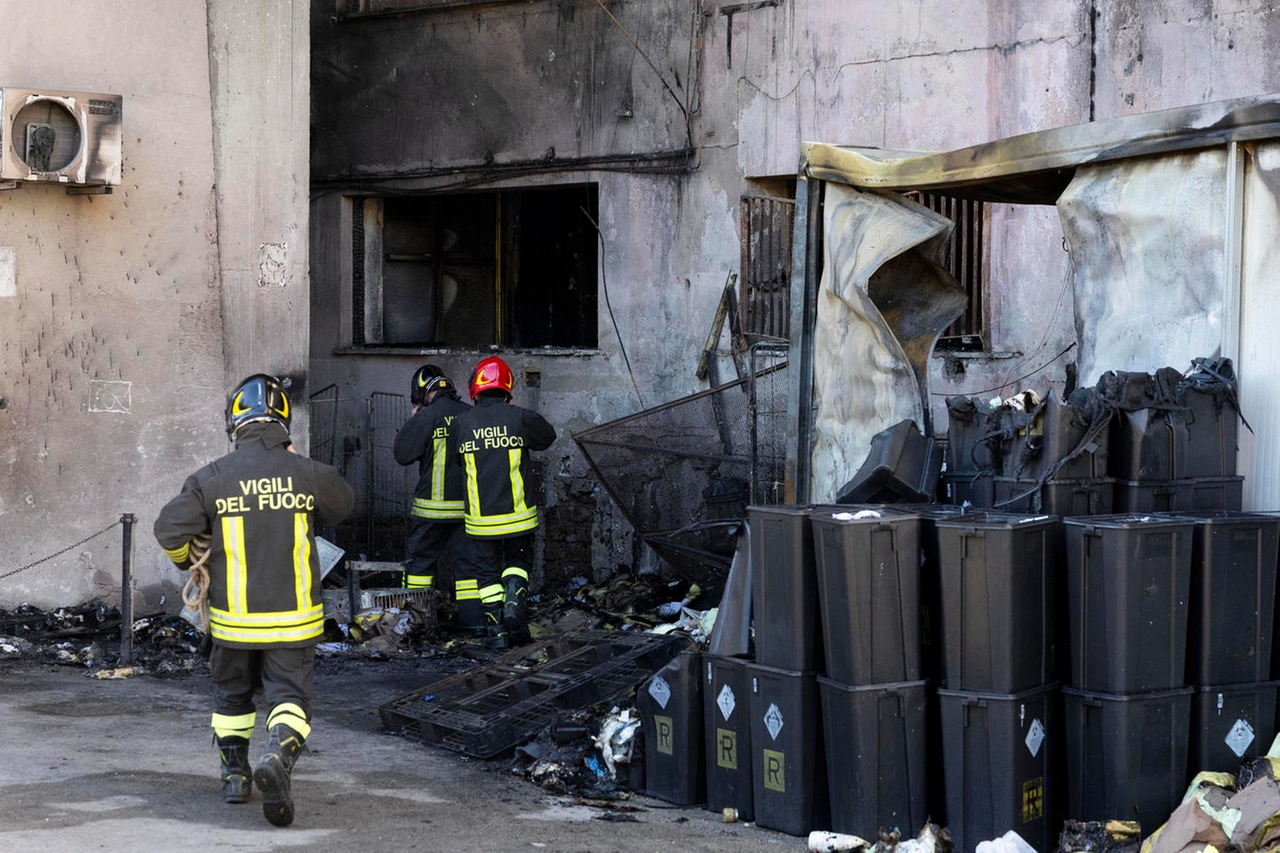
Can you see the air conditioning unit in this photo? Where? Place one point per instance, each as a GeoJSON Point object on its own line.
{"type": "Point", "coordinates": [68, 138]}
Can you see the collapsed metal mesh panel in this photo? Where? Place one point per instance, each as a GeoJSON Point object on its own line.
{"type": "Point", "coordinates": [390, 489]}
{"type": "Point", "coordinates": [679, 471]}
{"type": "Point", "coordinates": [768, 377]}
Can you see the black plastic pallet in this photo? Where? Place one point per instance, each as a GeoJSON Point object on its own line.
{"type": "Point", "coordinates": [501, 704]}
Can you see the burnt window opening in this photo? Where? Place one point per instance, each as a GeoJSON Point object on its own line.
{"type": "Point", "coordinates": [514, 268]}
{"type": "Point", "coordinates": [965, 257]}
{"type": "Point", "coordinates": [764, 283]}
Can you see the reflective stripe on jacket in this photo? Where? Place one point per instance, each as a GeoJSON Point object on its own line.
{"type": "Point", "coordinates": [492, 441]}
{"type": "Point", "coordinates": [424, 439]}
{"type": "Point", "coordinates": [261, 505]}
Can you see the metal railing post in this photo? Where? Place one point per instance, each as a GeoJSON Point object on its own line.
{"type": "Point", "coordinates": [126, 592]}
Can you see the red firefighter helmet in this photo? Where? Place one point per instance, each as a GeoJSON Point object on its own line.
{"type": "Point", "coordinates": [490, 374]}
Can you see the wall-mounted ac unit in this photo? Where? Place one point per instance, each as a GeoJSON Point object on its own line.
{"type": "Point", "coordinates": [60, 137]}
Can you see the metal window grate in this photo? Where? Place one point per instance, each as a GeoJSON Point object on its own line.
{"type": "Point", "coordinates": [357, 271]}
{"type": "Point", "coordinates": [323, 406]}
{"type": "Point", "coordinates": [764, 309]}
{"type": "Point", "coordinates": [965, 259]}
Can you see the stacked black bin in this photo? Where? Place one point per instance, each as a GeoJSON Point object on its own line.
{"type": "Point", "coordinates": [1056, 462]}
{"type": "Point", "coordinates": [973, 455]}
{"type": "Point", "coordinates": [787, 759]}
{"type": "Point", "coordinates": [1230, 625]}
{"type": "Point", "coordinates": [1173, 439]}
{"type": "Point", "coordinates": [873, 693]}
{"type": "Point", "coordinates": [1000, 709]}
{"type": "Point", "coordinates": [671, 711]}
{"type": "Point", "coordinates": [1127, 710]}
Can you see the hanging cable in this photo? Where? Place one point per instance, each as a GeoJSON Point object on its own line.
{"type": "Point", "coordinates": [604, 280]}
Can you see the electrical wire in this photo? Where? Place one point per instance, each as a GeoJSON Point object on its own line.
{"type": "Point", "coordinates": [604, 280]}
{"type": "Point", "coordinates": [1069, 348]}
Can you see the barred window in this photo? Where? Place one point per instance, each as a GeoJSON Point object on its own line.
{"type": "Point", "coordinates": [965, 257]}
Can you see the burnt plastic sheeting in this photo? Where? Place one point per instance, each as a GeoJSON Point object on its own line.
{"type": "Point", "coordinates": [731, 636]}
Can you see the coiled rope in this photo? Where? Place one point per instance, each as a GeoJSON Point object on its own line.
{"type": "Point", "coordinates": [195, 592]}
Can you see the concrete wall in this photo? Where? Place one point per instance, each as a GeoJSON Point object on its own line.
{"type": "Point", "coordinates": [113, 346]}
{"type": "Point", "coordinates": [414, 102]}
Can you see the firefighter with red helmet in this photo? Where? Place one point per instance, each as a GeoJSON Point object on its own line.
{"type": "Point", "coordinates": [492, 441]}
{"type": "Point", "coordinates": [258, 508]}
{"type": "Point", "coordinates": [436, 516]}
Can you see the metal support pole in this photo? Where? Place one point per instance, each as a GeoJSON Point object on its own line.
{"type": "Point", "coordinates": [126, 592]}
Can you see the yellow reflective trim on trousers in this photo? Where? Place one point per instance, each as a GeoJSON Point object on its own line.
{"type": "Point", "coordinates": [515, 571]}
{"type": "Point", "coordinates": [517, 482]}
{"type": "Point", "coordinates": [507, 523]}
{"type": "Point", "coordinates": [437, 469]}
{"type": "Point", "coordinates": [301, 561]}
{"type": "Point", "coordinates": [291, 715]}
{"type": "Point", "coordinates": [419, 581]}
{"type": "Point", "coordinates": [179, 555]}
{"type": "Point", "coordinates": [466, 590]}
{"type": "Point", "coordinates": [240, 725]}
{"type": "Point", "coordinates": [237, 576]}
{"type": "Point", "coordinates": [491, 594]}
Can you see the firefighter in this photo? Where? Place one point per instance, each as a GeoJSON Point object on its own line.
{"type": "Point", "coordinates": [492, 441]}
{"type": "Point", "coordinates": [259, 506]}
{"type": "Point", "coordinates": [436, 517]}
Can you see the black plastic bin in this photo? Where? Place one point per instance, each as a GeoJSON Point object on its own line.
{"type": "Point", "coordinates": [977, 490]}
{"type": "Point", "coordinates": [1149, 444]}
{"type": "Point", "coordinates": [1231, 725]}
{"type": "Point", "coordinates": [1000, 577]}
{"type": "Point", "coordinates": [726, 718]}
{"type": "Point", "coordinates": [1213, 426]}
{"type": "Point", "coordinates": [1055, 497]}
{"type": "Point", "coordinates": [788, 630]}
{"type": "Point", "coordinates": [788, 761]}
{"type": "Point", "coordinates": [1057, 430]}
{"type": "Point", "coordinates": [1230, 622]}
{"type": "Point", "coordinates": [1154, 496]}
{"type": "Point", "coordinates": [1128, 580]}
{"type": "Point", "coordinates": [1000, 756]}
{"type": "Point", "coordinates": [875, 742]}
{"type": "Point", "coordinates": [868, 592]}
{"type": "Point", "coordinates": [1127, 754]}
{"type": "Point", "coordinates": [902, 465]}
{"type": "Point", "coordinates": [1217, 493]}
{"type": "Point", "coordinates": [670, 705]}
{"type": "Point", "coordinates": [933, 662]}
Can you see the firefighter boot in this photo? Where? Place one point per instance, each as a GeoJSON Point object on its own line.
{"type": "Point", "coordinates": [496, 636]}
{"type": "Point", "coordinates": [237, 775]}
{"type": "Point", "coordinates": [273, 773]}
{"type": "Point", "coordinates": [515, 590]}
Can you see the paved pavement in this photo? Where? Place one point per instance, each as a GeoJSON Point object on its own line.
{"type": "Point", "coordinates": [125, 765]}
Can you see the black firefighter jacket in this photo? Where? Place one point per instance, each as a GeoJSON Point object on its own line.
{"type": "Point", "coordinates": [261, 503]}
{"type": "Point", "coordinates": [424, 439]}
{"type": "Point", "coordinates": [492, 441]}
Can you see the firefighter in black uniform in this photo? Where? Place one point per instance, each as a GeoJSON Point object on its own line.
{"type": "Point", "coordinates": [491, 442]}
{"type": "Point", "coordinates": [259, 505]}
{"type": "Point", "coordinates": [436, 517]}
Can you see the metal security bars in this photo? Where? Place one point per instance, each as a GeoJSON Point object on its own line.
{"type": "Point", "coordinates": [764, 309]}
{"type": "Point", "coordinates": [965, 259]}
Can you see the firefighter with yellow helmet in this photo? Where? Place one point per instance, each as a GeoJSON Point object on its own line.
{"type": "Point", "coordinates": [492, 441]}
{"type": "Point", "coordinates": [259, 506]}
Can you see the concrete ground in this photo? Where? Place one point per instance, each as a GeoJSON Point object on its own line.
{"type": "Point", "coordinates": [89, 764]}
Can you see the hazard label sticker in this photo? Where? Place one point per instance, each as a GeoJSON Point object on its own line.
{"type": "Point", "coordinates": [1035, 737]}
{"type": "Point", "coordinates": [660, 691]}
{"type": "Point", "coordinates": [1239, 738]}
{"type": "Point", "coordinates": [726, 702]}
{"type": "Point", "coordinates": [773, 721]}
